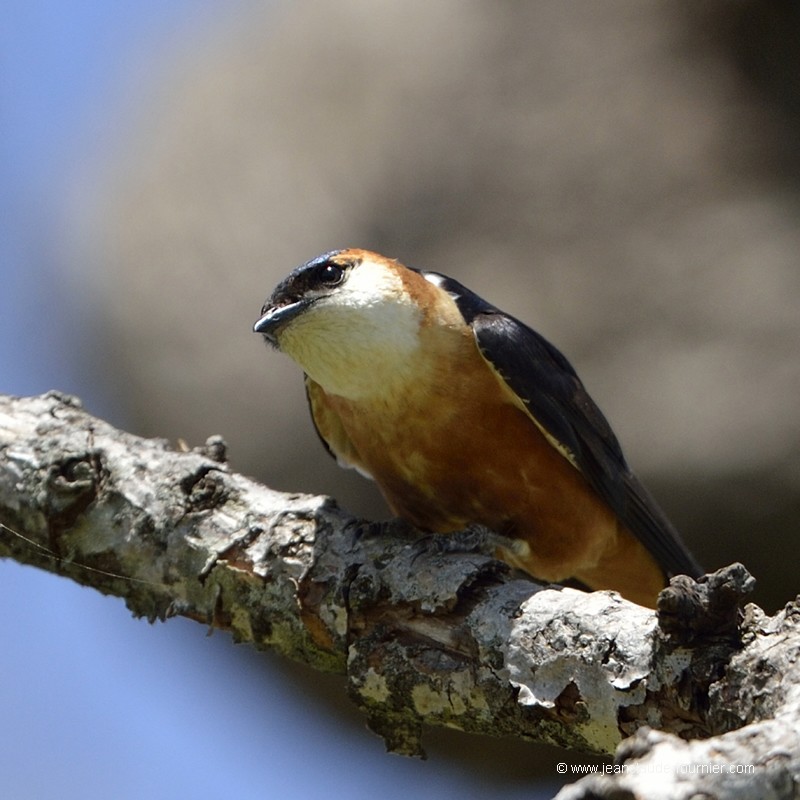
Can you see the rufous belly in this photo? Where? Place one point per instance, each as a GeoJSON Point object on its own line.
{"type": "Point", "coordinates": [479, 459]}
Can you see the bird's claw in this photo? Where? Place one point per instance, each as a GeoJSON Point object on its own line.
{"type": "Point", "coordinates": [472, 539]}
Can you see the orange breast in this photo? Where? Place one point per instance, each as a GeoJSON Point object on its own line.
{"type": "Point", "coordinates": [452, 449]}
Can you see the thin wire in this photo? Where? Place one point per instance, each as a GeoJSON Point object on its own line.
{"type": "Point", "coordinates": [86, 567]}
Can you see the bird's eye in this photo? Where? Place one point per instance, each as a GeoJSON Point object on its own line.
{"type": "Point", "coordinates": [329, 275]}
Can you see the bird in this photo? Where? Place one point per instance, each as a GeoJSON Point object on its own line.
{"type": "Point", "coordinates": [465, 416]}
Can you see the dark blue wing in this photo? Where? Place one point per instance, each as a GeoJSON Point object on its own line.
{"type": "Point", "coordinates": [559, 404]}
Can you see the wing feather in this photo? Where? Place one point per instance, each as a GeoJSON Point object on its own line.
{"type": "Point", "coordinates": [550, 390]}
{"type": "Point", "coordinates": [330, 430]}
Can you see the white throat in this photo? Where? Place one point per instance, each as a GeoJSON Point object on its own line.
{"type": "Point", "coordinates": [361, 341]}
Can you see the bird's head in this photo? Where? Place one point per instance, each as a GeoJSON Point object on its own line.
{"type": "Point", "coordinates": [349, 318]}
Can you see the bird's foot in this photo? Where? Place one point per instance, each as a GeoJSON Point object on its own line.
{"type": "Point", "coordinates": [472, 539]}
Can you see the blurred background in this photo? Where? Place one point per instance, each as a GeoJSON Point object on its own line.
{"type": "Point", "coordinates": [624, 177]}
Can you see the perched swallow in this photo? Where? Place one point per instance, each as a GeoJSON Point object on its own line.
{"type": "Point", "coordinates": [462, 415]}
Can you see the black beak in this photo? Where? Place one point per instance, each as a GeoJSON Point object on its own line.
{"type": "Point", "coordinates": [273, 318]}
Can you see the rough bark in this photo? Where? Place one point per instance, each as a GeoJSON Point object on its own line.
{"type": "Point", "coordinates": [687, 697]}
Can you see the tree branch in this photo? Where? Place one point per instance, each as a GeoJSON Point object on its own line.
{"type": "Point", "coordinates": [425, 636]}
